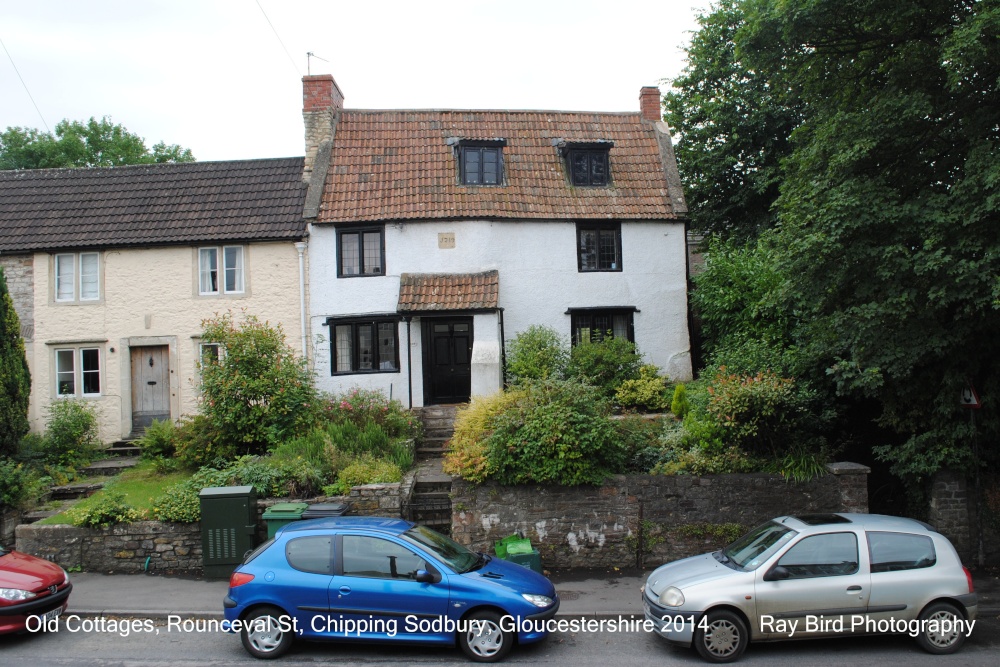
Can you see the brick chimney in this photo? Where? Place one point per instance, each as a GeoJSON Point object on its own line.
{"type": "Point", "coordinates": [321, 100]}
{"type": "Point", "coordinates": [649, 103]}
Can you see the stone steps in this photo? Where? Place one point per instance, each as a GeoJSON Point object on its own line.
{"type": "Point", "coordinates": [110, 467]}
{"type": "Point", "coordinates": [77, 490]}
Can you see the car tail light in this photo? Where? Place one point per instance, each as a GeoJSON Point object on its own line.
{"type": "Point", "coordinates": [968, 577]}
{"type": "Point", "coordinates": [239, 578]}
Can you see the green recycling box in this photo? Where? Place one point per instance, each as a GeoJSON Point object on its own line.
{"type": "Point", "coordinates": [531, 560]}
{"type": "Point", "coordinates": [282, 514]}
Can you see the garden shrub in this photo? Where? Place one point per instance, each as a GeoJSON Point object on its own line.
{"type": "Point", "coordinates": [180, 504]}
{"type": "Point", "coordinates": [641, 439]}
{"type": "Point", "coordinates": [159, 440]}
{"type": "Point", "coordinates": [199, 443]}
{"type": "Point", "coordinates": [646, 392]}
{"type": "Point", "coordinates": [466, 455]}
{"type": "Point", "coordinates": [371, 406]}
{"type": "Point", "coordinates": [559, 433]}
{"type": "Point", "coordinates": [753, 411]}
{"type": "Point", "coordinates": [110, 508]}
{"type": "Point", "coordinates": [605, 364]}
{"type": "Point", "coordinates": [19, 484]}
{"type": "Point", "coordinates": [364, 470]}
{"type": "Point", "coordinates": [679, 405]}
{"type": "Point", "coordinates": [538, 353]}
{"type": "Point", "coordinates": [371, 440]}
{"type": "Point", "coordinates": [71, 433]}
{"type": "Point", "coordinates": [259, 392]}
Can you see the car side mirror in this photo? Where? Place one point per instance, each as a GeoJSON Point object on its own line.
{"type": "Point", "coordinates": [779, 573]}
{"type": "Point", "coordinates": [425, 577]}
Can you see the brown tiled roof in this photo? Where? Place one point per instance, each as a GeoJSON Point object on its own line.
{"type": "Point", "coordinates": [245, 200]}
{"type": "Point", "coordinates": [448, 291]}
{"type": "Point", "coordinates": [392, 165]}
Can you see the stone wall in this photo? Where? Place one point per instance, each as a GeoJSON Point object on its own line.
{"type": "Point", "coordinates": [19, 273]}
{"type": "Point", "coordinates": [8, 522]}
{"type": "Point", "coordinates": [124, 548]}
{"type": "Point", "coordinates": [591, 526]}
{"type": "Point", "coordinates": [954, 511]}
{"type": "Point", "coordinates": [174, 547]}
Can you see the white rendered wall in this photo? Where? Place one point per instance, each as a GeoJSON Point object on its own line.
{"type": "Point", "coordinates": [539, 282]}
{"type": "Point", "coordinates": [149, 296]}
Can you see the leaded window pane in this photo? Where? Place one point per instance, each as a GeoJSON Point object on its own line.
{"type": "Point", "coordinates": [387, 346]}
{"type": "Point", "coordinates": [373, 253]}
{"type": "Point", "coordinates": [342, 348]}
{"type": "Point", "coordinates": [366, 351]}
{"type": "Point", "coordinates": [350, 254]}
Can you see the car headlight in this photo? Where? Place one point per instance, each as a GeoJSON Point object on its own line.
{"type": "Point", "coordinates": [672, 597]}
{"type": "Point", "coordinates": [15, 594]}
{"type": "Point", "coordinates": [537, 600]}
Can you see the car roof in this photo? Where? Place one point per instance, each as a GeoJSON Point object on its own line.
{"type": "Point", "coordinates": [821, 523]}
{"type": "Point", "coordinates": [380, 524]}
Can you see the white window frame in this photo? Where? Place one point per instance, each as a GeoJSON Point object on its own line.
{"type": "Point", "coordinates": [77, 372]}
{"type": "Point", "coordinates": [230, 262]}
{"type": "Point", "coordinates": [75, 276]}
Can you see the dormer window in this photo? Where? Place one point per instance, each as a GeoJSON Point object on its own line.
{"type": "Point", "coordinates": [480, 161]}
{"type": "Point", "coordinates": [588, 164]}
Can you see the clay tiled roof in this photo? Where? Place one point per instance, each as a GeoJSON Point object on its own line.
{"type": "Point", "coordinates": [392, 165]}
{"type": "Point", "coordinates": [245, 200]}
{"type": "Point", "coordinates": [448, 291]}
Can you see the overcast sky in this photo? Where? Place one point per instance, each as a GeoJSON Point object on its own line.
{"type": "Point", "coordinates": [221, 78]}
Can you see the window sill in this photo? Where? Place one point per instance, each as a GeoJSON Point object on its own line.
{"type": "Point", "coordinates": [371, 372]}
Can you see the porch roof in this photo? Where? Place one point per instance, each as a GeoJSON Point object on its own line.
{"type": "Point", "coordinates": [420, 292]}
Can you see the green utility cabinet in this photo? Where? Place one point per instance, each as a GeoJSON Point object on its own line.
{"type": "Point", "coordinates": [228, 525]}
{"type": "Point", "coordinates": [282, 514]}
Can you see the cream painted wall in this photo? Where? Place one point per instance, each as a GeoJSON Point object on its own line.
{"type": "Point", "coordinates": [150, 296]}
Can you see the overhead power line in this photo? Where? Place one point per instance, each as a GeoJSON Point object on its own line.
{"type": "Point", "coordinates": [290, 59]}
{"type": "Point", "coordinates": [12, 64]}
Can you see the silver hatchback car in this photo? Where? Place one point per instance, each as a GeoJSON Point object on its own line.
{"type": "Point", "coordinates": [817, 575]}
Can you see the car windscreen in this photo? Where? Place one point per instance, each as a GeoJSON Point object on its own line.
{"type": "Point", "coordinates": [454, 554]}
{"type": "Point", "coordinates": [758, 545]}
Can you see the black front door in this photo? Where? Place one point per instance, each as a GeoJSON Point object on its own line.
{"type": "Point", "coordinates": [447, 360]}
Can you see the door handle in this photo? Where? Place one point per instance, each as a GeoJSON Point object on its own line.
{"type": "Point", "coordinates": [345, 590]}
{"type": "Point", "coordinates": [853, 589]}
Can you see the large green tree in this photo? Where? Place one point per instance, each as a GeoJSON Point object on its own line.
{"type": "Point", "coordinates": [95, 143]}
{"type": "Point", "coordinates": [734, 128]}
{"type": "Point", "coordinates": [886, 165]}
{"type": "Point", "coordinates": [890, 204]}
{"type": "Point", "coordinates": [15, 381]}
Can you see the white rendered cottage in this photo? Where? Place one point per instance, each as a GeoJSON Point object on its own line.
{"type": "Point", "coordinates": [437, 236]}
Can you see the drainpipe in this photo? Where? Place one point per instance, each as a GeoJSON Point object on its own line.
{"type": "Point", "coordinates": [503, 353]}
{"type": "Point", "coordinates": [409, 364]}
{"type": "Point", "coordinates": [301, 248]}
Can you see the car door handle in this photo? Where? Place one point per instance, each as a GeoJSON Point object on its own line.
{"type": "Point", "coordinates": [853, 589]}
{"type": "Point", "coordinates": [345, 590]}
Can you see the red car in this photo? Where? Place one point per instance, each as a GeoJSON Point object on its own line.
{"type": "Point", "coordinates": [30, 588]}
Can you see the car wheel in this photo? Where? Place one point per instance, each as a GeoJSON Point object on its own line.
{"type": "Point", "coordinates": [484, 640]}
{"type": "Point", "coordinates": [266, 633]}
{"type": "Point", "coordinates": [721, 636]}
{"type": "Point", "coordinates": [942, 629]}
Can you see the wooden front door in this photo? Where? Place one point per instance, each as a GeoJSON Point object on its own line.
{"type": "Point", "coordinates": [150, 385]}
{"type": "Point", "coordinates": [447, 360]}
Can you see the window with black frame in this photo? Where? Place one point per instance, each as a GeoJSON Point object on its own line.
{"type": "Point", "coordinates": [589, 166]}
{"type": "Point", "coordinates": [364, 346]}
{"type": "Point", "coordinates": [599, 247]}
{"type": "Point", "coordinates": [361, 252]}
{"type": "Point", "coordinates": [594, 325]}
{"type": "Point", "coordinates": [481, 165]}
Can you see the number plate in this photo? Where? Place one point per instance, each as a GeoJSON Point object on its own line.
{"type": "Point", "coordinates": [50, 615]}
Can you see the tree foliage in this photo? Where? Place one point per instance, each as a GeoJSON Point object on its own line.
{"type": "Point", "coordinates": [886, 244]}
{"type": "Point", "coordinates": [95, 143]}
{"type": "Point", "coordinates": [15, 380]}
{"type": "Point", "coordinates": [734, 126]}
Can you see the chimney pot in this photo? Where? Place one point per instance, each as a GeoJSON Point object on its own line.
{"type": "Point", "coordinates": [649, 103]}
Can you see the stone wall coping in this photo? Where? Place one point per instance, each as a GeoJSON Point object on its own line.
{"type": "Point", "coordinates": [847, 468]}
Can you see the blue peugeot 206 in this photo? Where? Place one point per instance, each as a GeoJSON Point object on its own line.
{"type": "Point", "coordinates": [374, 579]}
